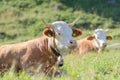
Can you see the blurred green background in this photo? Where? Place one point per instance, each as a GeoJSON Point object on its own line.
{"type": "Point", "coordinates": [20, 19]}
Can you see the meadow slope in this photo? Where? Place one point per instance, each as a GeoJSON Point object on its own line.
{"type": "Point", "coordinates": [20, 21]}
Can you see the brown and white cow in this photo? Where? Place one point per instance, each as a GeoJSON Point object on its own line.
{"type": "Point", "coordinates": [95, 42]}
{"type": "Point", "coordinates": [42, 53]}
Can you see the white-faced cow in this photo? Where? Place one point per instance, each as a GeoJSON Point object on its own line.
{"type": "Point", "coordinates": [42, 53]}
{"type": "Point", "coordinates": [95, 42]}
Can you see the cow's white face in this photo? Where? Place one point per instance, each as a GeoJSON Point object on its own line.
{"type": "Point", "coordinates": [63, 37]}
{"type": "Point", "coordinates": [100, 36]}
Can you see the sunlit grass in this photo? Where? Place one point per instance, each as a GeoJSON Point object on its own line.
{"type": "Point", "coordinates": [91, 66]}
{"type": "Point", "coordinates": [20, 21]}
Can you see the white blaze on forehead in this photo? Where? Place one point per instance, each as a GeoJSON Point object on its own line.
{"type": "Point", "coordinates": [63, 36]}
{"type": "Point", "coordinates": [100, 36]}
{"type": "Point", "coordinates": [62, 27]}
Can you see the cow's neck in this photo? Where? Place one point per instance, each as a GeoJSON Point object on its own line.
{"type": "Point", "coordinates": [51, 42]}
{"type": "Point", "coordinates": [55, 50]}
{"type": "Point", "coordinates": [63, 49]}
{"type": "Point", "coordinates": [97, 45]}
{"type": "Point", "coordinates": [45, 43]}
{"type": "Point", "coordinates": [53, 47]}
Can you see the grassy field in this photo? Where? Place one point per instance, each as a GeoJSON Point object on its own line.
{"type": "Point", "coordinates": [105, 66]}
{"type": "Point", "coordinates": [20, 21]}
{"type": "Point", "coordinates": [90, 66]}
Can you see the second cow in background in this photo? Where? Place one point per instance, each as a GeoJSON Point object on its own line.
{"type": "Point", "coordinates": [95, 42]}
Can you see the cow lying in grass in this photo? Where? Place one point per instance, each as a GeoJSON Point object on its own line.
{"type": "Point", "coordinates": [95, 42]}
{"type": "Point", "coordinates": [43, 54]}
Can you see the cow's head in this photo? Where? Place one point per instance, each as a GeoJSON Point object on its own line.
{"type": "Point", "coordinates": [63, 35]}
{"type": "Point", "coordinates": [100, 38]}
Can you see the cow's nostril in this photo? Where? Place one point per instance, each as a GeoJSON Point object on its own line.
{"type": "Point", "coordinates": [104, 44]}
{"type": "Point", "coordinates": [71, 42]}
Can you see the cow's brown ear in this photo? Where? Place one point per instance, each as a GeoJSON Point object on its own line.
{"type": "Point", "coordinates": [76, 32]}
{"type": "Point", "coordinates": [109, 37]}
{"type": "Point", "coordinates": [90, 37]}
{"type": "Point", "coordinates": [48, 32]}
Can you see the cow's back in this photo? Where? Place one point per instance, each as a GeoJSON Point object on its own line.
{"type": "Point", "coordinates": [28, 55]}
{"type": "Point", "coordinates": [85, 45]}
{"type": "Point", "coordinates": [38, 54]}
{"type": "Point", "coordinates": [10, 55]}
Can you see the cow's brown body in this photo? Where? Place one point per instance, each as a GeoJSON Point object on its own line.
{"type": "Point", "coordinates": [85, 46]}
{"type": "Point", "coordinates": [29, 55]}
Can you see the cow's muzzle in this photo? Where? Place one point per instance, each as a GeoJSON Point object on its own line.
{"type": "Point", "coordinates": [104, 45]}
{"type": "Point", "coordinates": [73, 44]}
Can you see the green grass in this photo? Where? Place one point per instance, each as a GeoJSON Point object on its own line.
{"type": "Point", "coordinates": [91, 66]}
{"type": "Point", "coordinates": [20, 20]}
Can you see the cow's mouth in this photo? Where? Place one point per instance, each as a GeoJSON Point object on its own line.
{"type": "Point", "coordinates": [104, 46]}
